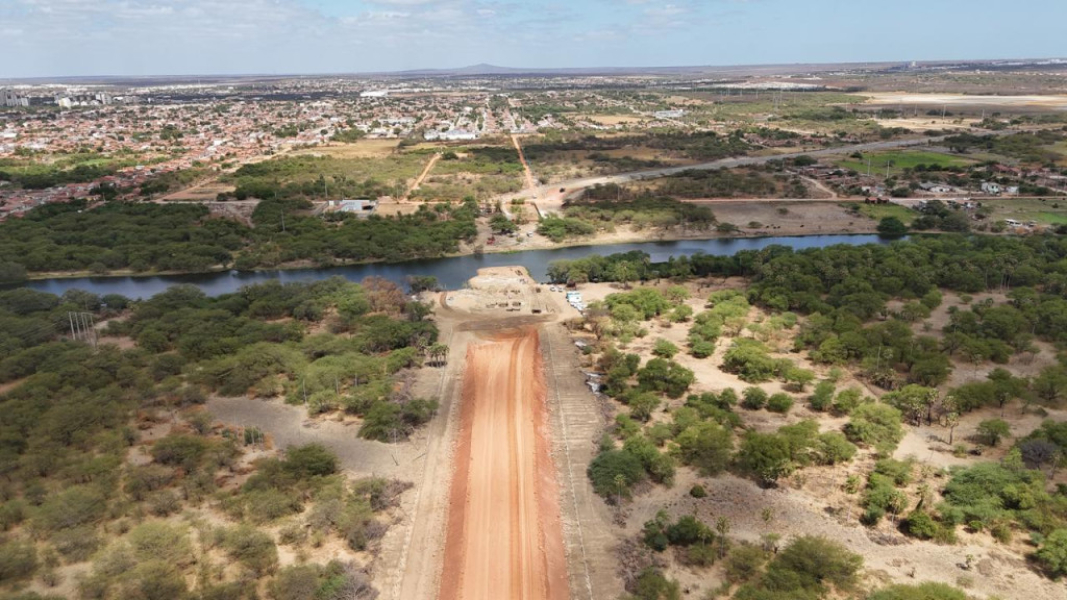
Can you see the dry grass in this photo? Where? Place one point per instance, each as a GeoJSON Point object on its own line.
{"type": "Point", "coordinates": [205, 192]}
{"type": "Point", "coordinates": [360, 149]}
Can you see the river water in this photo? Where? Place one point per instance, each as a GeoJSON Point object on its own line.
{"type": "Point", "coordinates": [451, 272]}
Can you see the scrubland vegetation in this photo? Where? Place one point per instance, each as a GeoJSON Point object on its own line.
{"type": "Point", "coordinates": [150, 237]}
{"type": "Point", "coordinates": [840, 335]}
{"type": "Point", "coordinates": [116, 482]}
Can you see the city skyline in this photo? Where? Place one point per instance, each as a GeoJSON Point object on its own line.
{"type": "Point", "coordinates": [57, 38]}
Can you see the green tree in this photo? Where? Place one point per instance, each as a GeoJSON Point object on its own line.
{"type": "Point", "coordinates": [666, 376]}
{"type": "Point", "coordinates": [252, 548]}
{"type": "Point", "coordinates": [652, 584]}
{"type": "Point", "coordinates": [744, 563]}
{"type": "Point", "coordinates": [929, 590]}
{"type": "Point", "coordinates": [875, 424]}
{"type": "Point", "coordinates": [501, 225]}
{"type": "Point", "coordinates": [822, 399]}
{"type": "Point", "coordinates": [722, 527]}
{"type": "Point", "coordinates": [154, 580]}
{"type": "Point", "coordinates": [706, 446]}
{"type": "Point", "coordinates": [1052, 556]}
{"type": "Point", "coordinates": [812, 563]}
{"type": "Point", "coordinates": [992, 430]}
{"type": "Point", "coordinates": [798, 379]}
{"type": "Point", "coordinates": [833, 448]}
{"type": "Point", "coordinates": [610, 463]}
{"type": "Point", "coordinates": [311, 460]}
{"type": "Point", "coordinates": [765, 455]}
{"type": "Point", "coordinates": [642, 404]}
{"type": "Point", "coordinates": [754, 398]}
{"type": "Point", "coordinates": [780, 403]}
{"type": "Point", "coordinates": [915, 401]}
{"type": "Point", "coordinates": [18, 560]}
{"type": "Point", "coordinates": [664, 349]}
{"type": "Point", "coordinates": [892, 227]}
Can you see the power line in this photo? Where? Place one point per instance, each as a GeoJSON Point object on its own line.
{"type": "Point", "coordinates": [82, 327]}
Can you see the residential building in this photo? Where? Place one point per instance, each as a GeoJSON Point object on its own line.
{"type": "Point", "coordinates": [11, 99]}
{"type": "Point", "coordinates": [363, 207]}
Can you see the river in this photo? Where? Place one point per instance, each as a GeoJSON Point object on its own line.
{"type": "Point", "coordinates": [451, 272]}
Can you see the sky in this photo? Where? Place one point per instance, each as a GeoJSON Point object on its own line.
{"type": "Point", "coordinates": [51, 38]}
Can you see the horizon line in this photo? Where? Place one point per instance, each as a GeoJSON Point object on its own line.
{"type": "Point", "coordinates": [523, 70]}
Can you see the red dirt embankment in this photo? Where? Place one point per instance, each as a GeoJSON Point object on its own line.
{"type": "Point", "coordinates": [505, 538]}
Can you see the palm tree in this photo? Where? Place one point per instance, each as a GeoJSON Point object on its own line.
{"type": "Point", "coordinates": [620, 485]}
{"type": "Point", "coordinates": [722, 525]}
{"type": "Point", "coordinates": [438, 353]}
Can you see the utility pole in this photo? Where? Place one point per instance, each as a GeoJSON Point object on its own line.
{"type": "Point", "coordinates": [82, 327]}
{"type": "Point", "coordinates": [92, 329]}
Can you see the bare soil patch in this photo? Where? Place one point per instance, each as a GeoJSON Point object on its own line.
{"type": "Point", "coordinates": [788, 217]}
{"type": "Point", "coordinates": [202, 192]}
{"type": "Point", "coordinates": [505, 538]}
{"type": "Point", "coordinates": [377, 148]}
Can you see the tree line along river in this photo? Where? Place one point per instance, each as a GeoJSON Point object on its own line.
{"type": "Point", "coordinates": [451, 272]}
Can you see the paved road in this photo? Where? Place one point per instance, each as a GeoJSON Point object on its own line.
{"type": "Point", "coordinates": [549, 198]}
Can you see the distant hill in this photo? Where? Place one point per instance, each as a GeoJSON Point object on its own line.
{"type": "Point", "coordinates": [488, 70]}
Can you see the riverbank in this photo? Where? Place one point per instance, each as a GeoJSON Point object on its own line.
{"type": "Point", "coordinates": [605, 239]}
{"type": "Point", "coordinates": [450, 272]}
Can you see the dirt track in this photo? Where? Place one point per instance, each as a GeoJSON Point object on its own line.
{"type": "Point", "coordinates": [530, 183]}
{"type": "Point", "coordinates": [504, 535]}
{"type": "Point", "coordinates": [422, 176]}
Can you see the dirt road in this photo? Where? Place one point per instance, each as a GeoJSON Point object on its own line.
{"type": "Point", "coordinates": [549, 202]}
{"type": "Point", "coordinates": [504, 536]}
{"type": "Point", "coordinates": [422, 176]}
{"type": "Point", "coordinates": [530, 183]}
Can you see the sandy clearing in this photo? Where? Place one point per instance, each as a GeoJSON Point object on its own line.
{"type": "Point", "coordinates": [504, 536]}
{"type": "Point", "coordinates": [289, 426]}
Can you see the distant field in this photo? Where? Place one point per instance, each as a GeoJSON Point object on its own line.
{"type": "Point", "coordinates": [952, 100]}
{"type": "Point", "coordinates": [616, 119]}
{"type": "Point", "coordinates": [903, 160]}
{"type": "Point", "coordinates": [1061, 148]}
{"type": "Point", "coordinates": [205, 192]}
{"type": "Point", "coordinates": [1048, 212]}
{"type": "Point", "coordinates": [881, 211]}
{"type": "Point", "coordinates": [360, 149]}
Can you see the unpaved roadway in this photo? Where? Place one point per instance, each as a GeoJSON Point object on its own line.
{"type": "Point", "coordinates": [504, 538]}
{"type": "Point", "coordinates": [530, 183]}
{"type": "Point", "coordinates": [422, 176]}
{"type": "Point", "coordinates": [550, 200]}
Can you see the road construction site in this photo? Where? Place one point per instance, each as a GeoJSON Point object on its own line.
{"type": "Point", "coordinates": [503, 508]}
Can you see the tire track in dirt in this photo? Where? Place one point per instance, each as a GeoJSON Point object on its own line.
{"type": "Point", "coordinates": [422, 177]}
{"type": "Point", "coordinates": [504, 536]}
{"type": "Point", "coordinates": [530, 183]}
